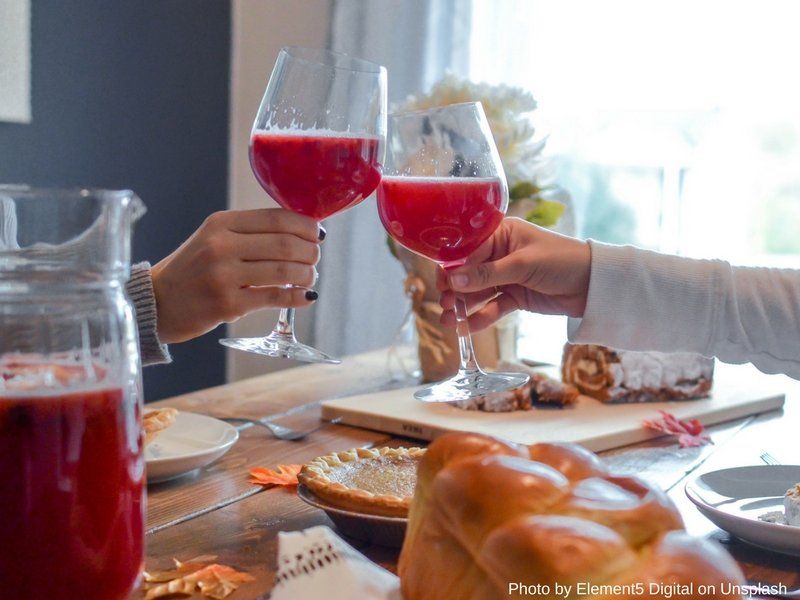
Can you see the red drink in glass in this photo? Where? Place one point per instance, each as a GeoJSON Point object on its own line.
{"type": "Point", "coordinates": [71, 494]}
{"type": "Point", "coordinates": [316, 175]}
{"type": "Point", "coordinates": [443, 218]}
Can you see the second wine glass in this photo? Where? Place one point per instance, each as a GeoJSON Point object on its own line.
{"type": "Point", "coordinates": [316, 148]}
{"type": "Point", "coordinates": [443, 194]}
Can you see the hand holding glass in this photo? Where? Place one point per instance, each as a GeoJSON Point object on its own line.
{"type": "Point", "coordinates": [316, 148]}
{"type": "Point", "coordinates": [442, 195]}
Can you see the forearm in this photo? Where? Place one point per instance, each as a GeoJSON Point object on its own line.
{"type": "Point", "coordinates": [140, 292]}
{"type": "Point", "coordinates": [641, 300]}
{"type": "Point", "coordinates": [759, 319]}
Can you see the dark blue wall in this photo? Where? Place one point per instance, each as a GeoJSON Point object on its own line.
{"type": "Point", "coordinates": [134, 95]}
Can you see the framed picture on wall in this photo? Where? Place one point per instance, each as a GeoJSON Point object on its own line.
{"type": "Point", "coordinates": [15, 61]}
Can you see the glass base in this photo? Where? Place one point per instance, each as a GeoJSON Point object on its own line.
{"type": "Point", "coordinates": [278, 346]}
{"type": "Point", "coordinates": [470, 384]}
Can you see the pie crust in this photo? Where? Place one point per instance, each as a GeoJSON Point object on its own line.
{"type": "Point", "coordinates": [375, 481]}
{"type": "Point", "coordinates": [156, 421]}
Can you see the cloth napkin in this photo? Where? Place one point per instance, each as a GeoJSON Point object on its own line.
{"type": "Point", "coordinates": [316, 563]}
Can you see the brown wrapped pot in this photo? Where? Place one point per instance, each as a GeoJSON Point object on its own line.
{"type": "Point", "coordinates": [438, 345]}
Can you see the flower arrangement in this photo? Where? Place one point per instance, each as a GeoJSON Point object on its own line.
{"type": "Point", "coordinates": [530, 176]}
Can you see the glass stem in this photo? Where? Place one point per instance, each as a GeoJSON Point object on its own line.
{"type": "Point", "coordinates": [285, 325]}
{"type": "Point", "coordinates": [467, 352]}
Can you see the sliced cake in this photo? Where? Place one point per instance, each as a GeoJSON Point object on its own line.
{"type": "Point", "coordinates": [617, 376]}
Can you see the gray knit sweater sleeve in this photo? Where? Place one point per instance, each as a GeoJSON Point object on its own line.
{"type": "Point", "coordinates": [140, 292]}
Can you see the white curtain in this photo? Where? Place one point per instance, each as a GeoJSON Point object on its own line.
{"type": "Point", "coordinates": [361, 301]}
{"type": "Point", "coordinates": [15, 61]}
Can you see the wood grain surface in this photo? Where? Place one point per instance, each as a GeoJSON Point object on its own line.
{"type": "Point", "coordinates": [217, 512]}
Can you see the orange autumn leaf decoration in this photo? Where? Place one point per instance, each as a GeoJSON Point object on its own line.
{"type": "Point", "coordinates": [181, 569]}
{"type": "Point", "coordinates": [212, 581]}
{"type": "Point", "coordinates": [285, 475]}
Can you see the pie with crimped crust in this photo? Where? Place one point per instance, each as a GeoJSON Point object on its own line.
{"type": "Point", "coordinates": [375, 481]}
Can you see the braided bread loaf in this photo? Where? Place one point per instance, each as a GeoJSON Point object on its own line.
{"type": "Point", "coordinates": [487, 514]}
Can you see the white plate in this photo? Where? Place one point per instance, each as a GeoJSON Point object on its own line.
{"type": "Point", "coordinates": [191, 442]}
{"type": "Point", "coordinates": [733, 499]}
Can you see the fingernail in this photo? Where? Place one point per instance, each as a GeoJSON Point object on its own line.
{"type": "Point", "coordinates": [459, 280]}
{"type": "Point", "coordinates": [322, 233]}
{"type": "Point", "coordinates": [312, 295]}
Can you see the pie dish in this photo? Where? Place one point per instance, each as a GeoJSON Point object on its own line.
{"type": "Point", "coordinates": [374, 481]}
{"type": "Point", "coordinates": [375, 529]}
{"type": "Point", "coordinates": [156, 421]}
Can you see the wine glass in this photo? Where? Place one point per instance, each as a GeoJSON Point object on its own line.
{"type": "Point", "coordinates": [316, 148]}
{"type": "Point", "coordinates": [442, 195]}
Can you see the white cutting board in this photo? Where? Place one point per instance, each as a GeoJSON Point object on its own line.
{"type": "Point", "coordinates": [738, 391]}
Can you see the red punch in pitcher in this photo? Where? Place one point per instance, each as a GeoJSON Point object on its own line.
{"type": "Point", "coordinates": [71, 463]}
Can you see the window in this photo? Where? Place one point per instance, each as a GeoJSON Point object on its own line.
{"type": "Point", "coordinates": [675, 124]}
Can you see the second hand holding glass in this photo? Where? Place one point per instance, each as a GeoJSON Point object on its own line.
{"type": "Point", "coordinates": [443, 194]}
{"type": "Point", "coordinates": [316, 148]}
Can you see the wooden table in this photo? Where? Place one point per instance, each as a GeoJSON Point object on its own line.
{"type": "Point", "coordinates": [217, 512]}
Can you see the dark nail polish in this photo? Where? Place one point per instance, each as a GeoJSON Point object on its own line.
{"type": "Point", "coordinates": [312, 295]}
{"type": "Point", "coordinates": [322, 233]}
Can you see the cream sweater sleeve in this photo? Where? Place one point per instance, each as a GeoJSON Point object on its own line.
{"type": "Point", "coordinates": [642, 300]}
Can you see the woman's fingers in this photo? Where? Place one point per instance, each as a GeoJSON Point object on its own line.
{"type": "Point", "coordinates": [254, 298]}
{"type": "Point", "coordinates": [273, 272]}
{"type": "Point", "coordinates": [514, 298]}
{"type": "Point", "coordinates": [275, 246]}
{"type": "Point", "coordinates": [268, 220]}
{"type": "Point", "coordinates": [486, 316]}
{"type": "Point", "coordinates": [509, 270]}
{"type": "Point", "coordinates": [473, 300]}
{"type": "Point", "coordinates": [484, 253]}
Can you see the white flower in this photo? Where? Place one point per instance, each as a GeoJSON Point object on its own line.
{"type": "Point", "coordinates": [508, 112]}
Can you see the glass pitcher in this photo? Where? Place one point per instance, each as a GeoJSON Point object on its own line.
{"type": "Point", "coordinates": [71, 462]}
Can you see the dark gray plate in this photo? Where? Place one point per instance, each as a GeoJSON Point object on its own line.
{"type": "Point", "coordinates": [733, 499]}
{"type": "Point", "coordinates": [384, 531]}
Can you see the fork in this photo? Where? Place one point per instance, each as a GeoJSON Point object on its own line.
{"type": "Point", "coordinates": [769, 459]}
{"type": "Point", "coordinates": [280, 431]}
